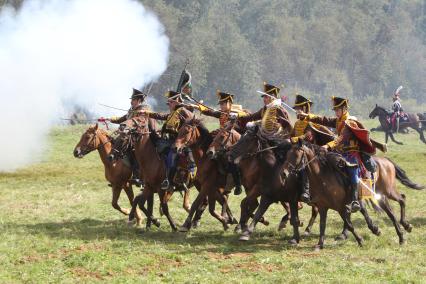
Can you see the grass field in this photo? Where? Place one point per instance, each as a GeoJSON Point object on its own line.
{"type": "Point", "coordinates": [57, 225]}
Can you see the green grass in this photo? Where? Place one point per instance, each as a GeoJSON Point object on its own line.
{"type": "Point", "coordinates": [57, 225]}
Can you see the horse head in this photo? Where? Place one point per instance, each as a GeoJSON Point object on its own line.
{"type": "Point", "coordinates": [374, 112]}
{"type": "Point", "coordinates": [223, 140]}
{"type": "Point", "coordinates": [125, 137]}
{"type": "Point", "coordinates": [188, 135]}
{"type": "Point", "coordinates": [297, 158]}
{"type": "Point", "coordinates": [248, 143]}
{"type": "Point", "coordinates": [89, 142]}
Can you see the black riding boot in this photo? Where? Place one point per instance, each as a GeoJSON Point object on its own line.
{"type": "Point", "coordinates": [136, 180]}
{"type": "Point", "coordinates": [305, 196]}
{"type": "Point", "coordinates": [235, 172]}
{"type": "Point", "coordinates": [192, 167]}
{"type": "Point", "coordinates": [354, 206]}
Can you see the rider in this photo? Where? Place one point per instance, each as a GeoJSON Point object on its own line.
{"type": "Point", "coordinates": [346, 143]}
{"type": "Point", "coordinates": [274, 119]}
{"type": "Point", "coordinates": [302, 104]}
{"type": "Point", "coordinates": [173, 121]}
{"type": "Point", "coordinates": [397, 109]}
{"type": "Point", "coordinates": [226, 114]}
{"type": "Point", "coordinates": [136, 106]}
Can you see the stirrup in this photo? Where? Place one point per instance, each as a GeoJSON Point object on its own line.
{"type": "Point", "coordinates": [305, 197]}
{"type": "Point", "coordinates": [165, 184]}
{"type": "Point", "coordinates": [237, 190]}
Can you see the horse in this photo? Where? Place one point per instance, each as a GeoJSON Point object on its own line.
{"type": "Point", "coordinates": [213, 183]}
{"type": "Point", "coordinates": [117, 173]}
{"type": "Point", "coordinates": [387, 173]}
{"type": "Point", "coordinates": [135, 133]}
{"type": "Point", "coordinates": [415, 122]}
{"type": "Point", "coordinates": [259, 167]}
{"type": "Point", "coordinates": [224, 139]}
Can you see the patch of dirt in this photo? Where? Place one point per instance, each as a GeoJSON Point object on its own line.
{"type": "Point", "coordinates": [251, 266]}
{"type": "Point", "coordinates": [221, 256]}
{"type": "Point", "coordinates": [82, 272]}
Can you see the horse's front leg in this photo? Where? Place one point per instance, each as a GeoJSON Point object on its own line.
{"type": "Point", "coordinates": [323, 224]}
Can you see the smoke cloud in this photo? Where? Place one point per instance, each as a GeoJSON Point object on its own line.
{"type": "Point", "coordinates": [58, 52]}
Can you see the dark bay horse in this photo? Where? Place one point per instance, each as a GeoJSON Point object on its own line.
{"type": "Point", "coordinates": [136, 133]}
{"type": "Point", "coordinates": [415, 122]}
{"type": "Point", "coordinates": [211, 181]}
{"type": "Point", "coordinates": [260, 170]}
{"type": "Point", "coordinates": [116, 172]}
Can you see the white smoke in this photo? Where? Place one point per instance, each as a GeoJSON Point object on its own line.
{"type": "Point", "coordinates": [79, 51]}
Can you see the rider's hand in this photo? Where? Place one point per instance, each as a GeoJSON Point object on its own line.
{"type": "Point", "coordinates": [233, 116]}
{"type": "Point", "coordinates": [300, 114]}
{"type": "Point", "coordinates": [103, 119]}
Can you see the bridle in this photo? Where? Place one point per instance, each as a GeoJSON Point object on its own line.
{"type": "Point", "coordinates": [302, 164]}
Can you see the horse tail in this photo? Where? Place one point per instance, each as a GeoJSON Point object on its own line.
{"type": "Point", "coordinates": [401, 175]}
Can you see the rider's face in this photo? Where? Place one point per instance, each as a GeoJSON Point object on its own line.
{"type": "Point", "coordinates": [338, 112]}
{"type": "Point", "coordinates": [135, 102]}
{"type": "Point", "coordinates": [267, 100]}
{"type": "Point", "coordinates": [225, 106]}
{"type": "Point", "coordinates": [172, 104]}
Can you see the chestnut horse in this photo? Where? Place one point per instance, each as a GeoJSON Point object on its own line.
{"type": "Point", "coordinates": [116, 173]}
{"type": "Point", "coordinates": [211, 181]}
{"type": "Point", "coordinates": [136, 134]}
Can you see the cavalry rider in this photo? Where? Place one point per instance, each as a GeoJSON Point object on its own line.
{"type": "Point", "coordinates": [136, 106]}
{"type": "Point", "coordinates": [397, 109]}
{"type": "Point", "coordinates": [347, 143]}
{"type": "Point", "coordinates": [274, 123]}
{"type": "Point", "coordinates": [173, 121]}
{"type": "Point", "coordinates": [302, 104]}
{"type": "Point", "coordinates": [225, 114]}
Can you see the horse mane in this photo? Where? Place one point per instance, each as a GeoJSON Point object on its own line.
{"type": "Point", "coordinates": [206, 137]}
{"type": "Point", "coordinates": [325, 163]}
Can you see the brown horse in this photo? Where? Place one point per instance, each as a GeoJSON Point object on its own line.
{"type": "Point", "coordinates": [416, 122]}
{"type": "Point", "coordinates": [136, 133]}
{"type": "Point", "coordinates": [116, 173]}
{"type": "Point", "coordinates": [211, 181]}
{"type": "Point", "coordinates": [387, 174]}
{"type": "Point", "coordinates": [327, 188]}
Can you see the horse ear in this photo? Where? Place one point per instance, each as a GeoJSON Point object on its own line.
{"type": "Point", "coordinates": [300, 142]}
{"type": "Point", "coordinates": [96, 126]}
{"type": "Point", "coordinates": [376, 105]}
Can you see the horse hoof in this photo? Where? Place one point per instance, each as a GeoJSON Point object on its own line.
{"type": "Point", "coordinates": [307, 233]}
{"type": "Point", "coordinates": [282, 226]}
{"type": "Point", "coordinates": [195, 224]}
{"type": "Point", "coordinates": [341, 237]}
{"type": "Point", "coordinates": [183, 229]}
{"type": "Point", "coordinates": [244, 237]}
{"type": "Point", "coordinates": [409, 228]}
{"type": "Point", "coordinates": [360, 243]}
{"type": "Point", "coordinates": [293, 242]}
{"type": "Point", "coordinates": [238, 230]}
{"type": "Point", "coordinates": [156, 223]}
{"type": "Point", "coordinates": [402, 241]}
{"type": "Point", "coordinates": [378, 232]}
{"type": "Point", "coordinates": [318, 247]}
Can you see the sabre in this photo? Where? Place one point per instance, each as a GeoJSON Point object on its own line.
{"type": "Point", "coordinates": [113, 107]}
{"type": "Point", "coordinates": [282, 103]}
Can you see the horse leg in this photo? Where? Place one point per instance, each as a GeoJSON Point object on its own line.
{"type": "Point", "coordinates": [386, 137]}
{"type": "Point", "coordinates": [314, 214]}
{"type": "Point", "coordinates": [407, 226]}
{"type": "Point", "coordinates": [248, 205]}
{"type": "Point", "coordinates": [373, 227]}
{"type": "Point", "coordinates": [323, 223]}
{"type": "Point", "coordinates": [286, 217]}
{"type": "Point", "coordinates": [164, 197]}
{"type": "Point", "coordinates": [393, 139]}
{"type": "Point", "coordinates": [346, 216]}
{"type": "Point", "coordinates": [384, 204]}
{"type": "Point", "coordinates": [212, 205]}
{"type": "Point", "coordinates": [265, 202]}
{"type": "Point", "coordinates": [131, 196]}
{"type": "Point", "coordinates": [116, 191]}
{"type": "Point", "coordinates": [226, 210]}
{"type": "Point", "coordinates": [194, 207]}
{"type": "Point", "coordinates": [294, 221]}
{"type": "Point", "coordinates": [186, 201]}
{"type": "Point", "coordinates": [420, 131]}
{"type": "Point", "coordinates": [199, 212]}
